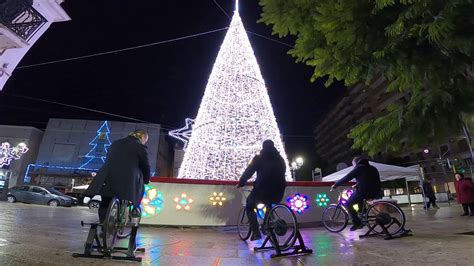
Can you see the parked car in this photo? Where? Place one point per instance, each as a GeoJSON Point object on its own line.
{"type": "Point", "coordinates": [94, 202]}
{"type": "Point", "coordinates": [78, 196]}
{"type": "Point", "coordinates": [39, 195]}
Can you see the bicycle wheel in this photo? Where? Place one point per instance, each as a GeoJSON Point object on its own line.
{"type": "Point", "coordinates": [335, 218]}
{"type": "Point", "coordinates": [386, 213]}
{"type": "Point", "coordinates": [109, 227]}
{"type": "Point", "coordinates": [125, 228]}
{"type": "Point", "coordinates": [282, 221]}
{"type": "Point", "coordinates": [243, 225]}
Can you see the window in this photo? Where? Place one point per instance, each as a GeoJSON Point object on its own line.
{"type": "Point", "coordinates": [444, 150]}
{"type": "Point", "coordinates": [399, 191]}
{"type": "Point", "coordinates": [37, 190]}
{"type": "Point", "coordinates": [63, 152]}
{"type": "Point", "coordinates": [21, 188]}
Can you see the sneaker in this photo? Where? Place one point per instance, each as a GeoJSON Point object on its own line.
{"type": "Point", "coordinates": [255, 237]}
{"type": "Point", "coordinates": [357, 227]}
{"type": "Point", "coordinates": [465, 214]}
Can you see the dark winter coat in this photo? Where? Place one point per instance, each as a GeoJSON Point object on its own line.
{"type": "Point", "coordinates": [270, 167]}
{"type": "Point", "coordinates": [124, 172]}
{"type": "Point", "coordinates": [368, 180]}
{"type": "Point", "coordinates": [428, 190]}
{"type": "Point", "coordinates": [464, 191]}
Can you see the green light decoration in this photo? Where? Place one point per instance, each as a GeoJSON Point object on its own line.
{"type": "Point", "coordinates": [322, 200]}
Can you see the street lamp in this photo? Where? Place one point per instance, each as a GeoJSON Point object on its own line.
{"type": "Point", "coordinates": [295, 165]}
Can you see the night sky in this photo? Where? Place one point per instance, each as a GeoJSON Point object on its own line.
{"type": "Point", "coordinates": [163, 83]}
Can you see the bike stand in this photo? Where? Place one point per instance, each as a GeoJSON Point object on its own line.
{"type": "Point", "coordinates": [388, 236]}
{"type": "Point", "coordinates": [299, 249]}
{"type": "Point", "coordinates": [93, 245]}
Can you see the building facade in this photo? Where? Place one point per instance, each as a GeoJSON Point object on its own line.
{"type": "Point", "coordinates": [363, 102]}
{"type": "Point", "coordinates": [12, 171]}
{"type": "Point", "coordinates": [72, 151]}
{"type": "Point", "coordinates": [22, 23]}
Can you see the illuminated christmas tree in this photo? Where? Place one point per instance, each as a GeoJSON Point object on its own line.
{"type": "Point", "coordinates": [95, 158]}
{"type": "Point", "coordinates": [235, 115]}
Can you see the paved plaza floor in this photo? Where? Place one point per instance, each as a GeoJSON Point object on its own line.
{"type": "Point", "coordinates": [42, 235]}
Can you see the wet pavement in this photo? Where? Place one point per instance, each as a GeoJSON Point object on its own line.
{"type": "Point", "coordinates": [42, 235]}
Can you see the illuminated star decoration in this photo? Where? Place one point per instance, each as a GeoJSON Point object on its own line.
{"type": "Point", "coordinates": [183, 203]}
{"type": "Point", "coordinates": [217, 199]}
{"type": "Point", "coordinates": [7, 153]}
{"type": "Point", "coordinates": [298, 203]}
{"type": "Point", "coordinates": [322, 200]}
{"type": "Point", "coordinates": [235, 115]}
{"type": "Point", "coordinates": [346, 194]}
{"type": "Point", "coordinates": [184, 133]}
{"type": "Point", "coordinates": [152, 202]}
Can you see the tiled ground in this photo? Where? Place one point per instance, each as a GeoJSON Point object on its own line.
{"type": "Point", "coordinates": [42, 235]}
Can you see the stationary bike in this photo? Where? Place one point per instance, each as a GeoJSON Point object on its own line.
{"type": "Point", "coordinates": [121, 221]}
{"type": "Point", "coordinates": [280, 226]}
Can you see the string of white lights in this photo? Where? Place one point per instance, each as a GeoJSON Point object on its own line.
{"type": "Point", "coordinates": [235, 115]}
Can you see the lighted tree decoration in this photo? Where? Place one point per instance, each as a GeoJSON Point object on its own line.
{"type": "Point", "coordinates": [322, 200]}
{"type": "Point", "coordinates": [298, 203]}
{"type": "Point", "coordinates": [235, 115]}
{"type": "Point", "coordinates": [96, 156]}
{"type": "Point", "coordinates": [152, 202]}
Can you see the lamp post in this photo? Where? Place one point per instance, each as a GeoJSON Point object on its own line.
{"type": "Point", "coordinates": [295, 165]}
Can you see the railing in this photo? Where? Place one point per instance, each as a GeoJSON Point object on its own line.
{"type": "Point", "coordinates": [20, 17]}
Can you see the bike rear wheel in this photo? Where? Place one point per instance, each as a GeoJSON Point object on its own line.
{"type": "Point", "coordinates": [282, 221]}
{"type": "Point", "coordinates": [125, 226]}
{"type": "Point", "coordinates": [243, 225]}
{"type": "Point", "coordinates": [335, 218]}
{"type": "Point", "coordinates": [387, 213]}
{"type": "Point", "coordinates": [109, 226]}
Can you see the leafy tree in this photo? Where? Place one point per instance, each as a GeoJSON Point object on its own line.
{"type": "Point", "coordinates": [424, 48]}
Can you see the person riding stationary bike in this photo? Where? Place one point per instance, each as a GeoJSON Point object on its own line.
{"type": "Point", "coordinates": [368, 187]}
{"type": "Point", "coordinates": [124, 173]}
{"type": "Point", "coordinates": [269, 186]}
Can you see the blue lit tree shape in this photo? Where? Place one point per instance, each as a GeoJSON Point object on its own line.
{"type": "Point", "coordinates": [99, 147]}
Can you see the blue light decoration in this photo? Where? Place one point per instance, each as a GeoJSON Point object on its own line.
{"type": "Point", "coordinates": [261, 210]}
{"type": "Point", "coordinates": [99, 146]}
{"type": "Point", "coordinates": [27, 178]}
{"type": "Point", "coordinates": [152, 202]}
{"type": "Point", "coordinates": [298, 203]}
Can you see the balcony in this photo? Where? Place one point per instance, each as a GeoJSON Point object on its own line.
{"type": "Point", "coordinates": [19, 21]}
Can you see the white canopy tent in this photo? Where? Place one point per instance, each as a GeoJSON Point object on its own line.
{"type": "Point", "coordinates": [387, 172]}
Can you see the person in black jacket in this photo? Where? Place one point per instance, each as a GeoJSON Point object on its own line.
{"type": "Point", "coordinates": [429, 193]}
{"type": "Point", "coordinates": [269, 186]}
{"type": "Point", "coordinates": [368, 187]}
{"type": "Point", "coordinates": [124, 173]}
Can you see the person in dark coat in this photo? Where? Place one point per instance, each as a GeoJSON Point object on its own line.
{"type": "Point", "coordinates": [368, 187]}
{"type": "Point", "coordinates": [124, 173]}
{"type": "Point", "coordinates": [464, 193]}
{"type": "Point", "coordinates": [269, 186]}
{"type": "Point", "coordinates": [429, 193]}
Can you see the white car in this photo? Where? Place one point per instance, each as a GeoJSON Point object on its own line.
{"type": "Point", "coordinates": [93, 203]}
